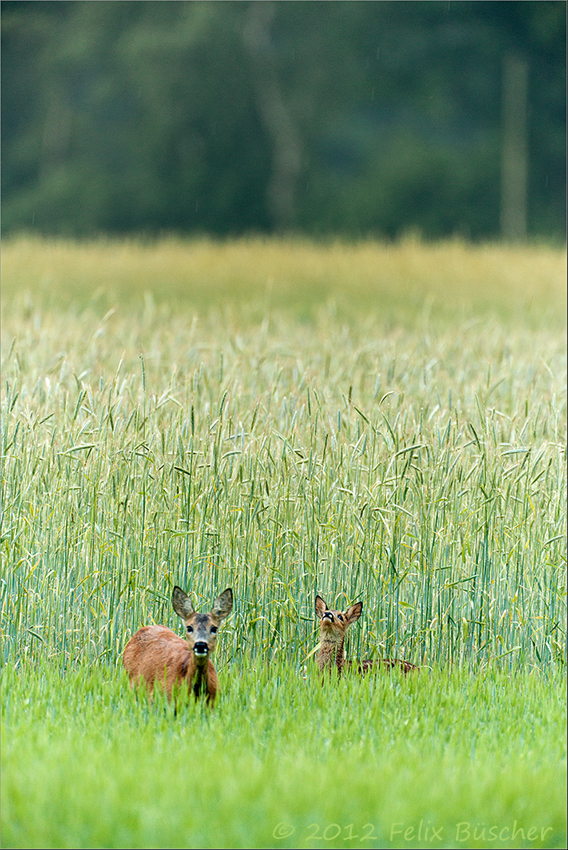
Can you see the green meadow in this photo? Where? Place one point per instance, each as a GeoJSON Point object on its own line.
{"type": "Point", "coordinates": [363, 421]}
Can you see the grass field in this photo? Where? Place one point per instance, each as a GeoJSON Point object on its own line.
{"type": "Point", "coordinates": [374, 422]}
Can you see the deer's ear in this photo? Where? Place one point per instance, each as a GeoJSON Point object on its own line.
{"type": "Point", "coordinates": [321, 607]}
{"type": "Point", "coordinates": [182, 603]}
{"type": "Point", "coordinates": [353, 613]}
{"type": "Point", "coordinates": [223, 605]}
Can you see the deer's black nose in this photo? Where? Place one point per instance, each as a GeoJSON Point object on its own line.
{"type": "Point", "coordinates": [200, 648]}
{"type": "Point", "coordinates": [328, 616]}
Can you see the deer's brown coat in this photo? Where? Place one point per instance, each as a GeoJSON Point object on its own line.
{"type": "Point", "coordinates": [157, 654]}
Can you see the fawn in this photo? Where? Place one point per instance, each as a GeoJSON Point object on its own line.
{"type": "Point", "coordinates": [157, 653]}
{"type": "Point", "coordinates": [333, 625]}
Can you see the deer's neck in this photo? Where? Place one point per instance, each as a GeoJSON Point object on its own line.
{"type": "Point", "coordinates": [196, 673]}
{"type": "Point", "coordinates": [330, 655]}
{"type": "Point", "coordinates": [199, 679]}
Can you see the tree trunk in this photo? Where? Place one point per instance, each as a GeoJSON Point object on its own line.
{"type": "Point", "coordinates": [275, 116]}
{"type": "Point", "coordinates": [514, 149]}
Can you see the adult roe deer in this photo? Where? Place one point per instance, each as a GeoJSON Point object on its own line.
{"type": "Point", "coordinates": [157, 653]}
{"type": "Point", "coordinates": [333, 625]}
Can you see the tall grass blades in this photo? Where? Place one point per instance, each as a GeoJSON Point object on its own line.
{"type": "Point", "coordinates": [371, 435]}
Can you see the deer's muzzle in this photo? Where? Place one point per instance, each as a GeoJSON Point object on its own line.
{"type": "Point", "coordinates": [200, 648]}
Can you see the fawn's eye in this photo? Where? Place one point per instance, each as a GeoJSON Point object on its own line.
{"type": "Point", "coordinates": [213, 630]}
{"type": "Point", "coordinates": [189, 628]}
{"type": "Point", "coordinates": [340, 617]}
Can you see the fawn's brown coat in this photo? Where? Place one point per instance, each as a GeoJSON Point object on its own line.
{"type": "Point", "coordinates": [333, 626]}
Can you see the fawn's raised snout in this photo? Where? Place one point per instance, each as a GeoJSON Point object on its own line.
{"type": "Point", "coordinates": [337, 620]}
{"type": "Point", "coordinates": [330, 623]}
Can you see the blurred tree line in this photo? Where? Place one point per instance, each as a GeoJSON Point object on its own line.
{"type": "Point", "coordinates": [349, 118]}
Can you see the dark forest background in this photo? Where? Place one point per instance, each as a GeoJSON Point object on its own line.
{"type": "Point", "coordinates": [323, 118]}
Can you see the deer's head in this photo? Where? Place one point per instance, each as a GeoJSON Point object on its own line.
{"type": "Point", "coordinates": [201, 629]}
{"type": "Point", "coordinates": [333, 624]}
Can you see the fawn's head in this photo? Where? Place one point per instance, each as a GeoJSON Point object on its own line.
{"type": "Point", "coordinates": [333, 624]}
{"type": "Point", "coordinates": [201, 629]}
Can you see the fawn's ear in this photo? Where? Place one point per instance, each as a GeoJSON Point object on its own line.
{"type": "Point", "coordinates": [223, 605]}
{"type": "Point", "coordinates": [321, 607]}
{"type": "Point", "coordinates": [182, 603]}
{"type": "Point", "coordinates": [353, 613]}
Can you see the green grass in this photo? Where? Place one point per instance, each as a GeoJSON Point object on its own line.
{"type": "Point", "coordinates": [384, 423]}
{"type": "Point", "coordinates": [87, 764]}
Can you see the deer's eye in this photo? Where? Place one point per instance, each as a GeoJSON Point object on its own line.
{"type": "Point", "coordinates": [213, 630]}
{"type": "Point", "coordinates": [189, 628]}
{"type": "Point", "coordinates": [340, 617]}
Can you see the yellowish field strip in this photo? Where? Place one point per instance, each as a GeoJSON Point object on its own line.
{"type": "Point", "coordinates": [408, 274]}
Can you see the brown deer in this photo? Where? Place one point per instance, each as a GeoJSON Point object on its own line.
{"type": "Point", "coordinates": [333, 625]}
{"type": "Point", "coordinates": [156, 653]}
